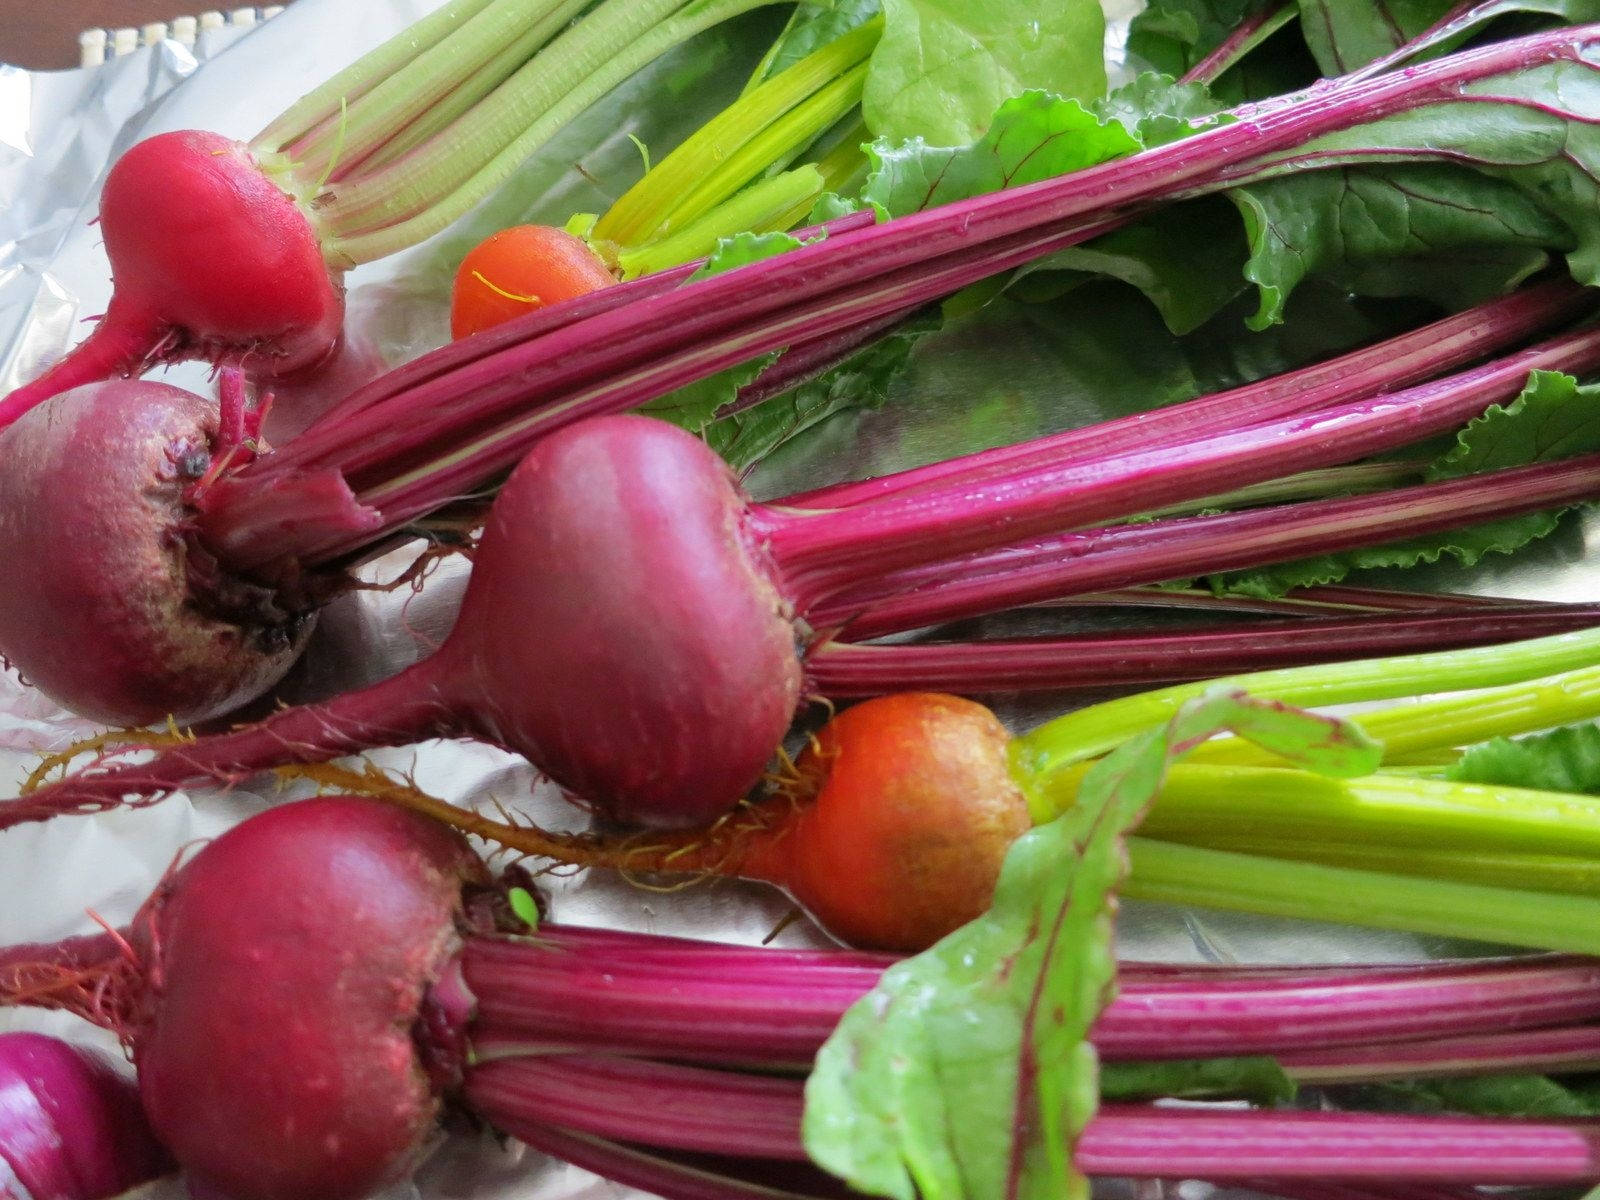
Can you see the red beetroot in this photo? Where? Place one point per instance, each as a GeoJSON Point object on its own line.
{"type": "Point", "coordinates": [301, 943]}
{"type": "Point", "coordinates": [632, 623]}
{"type": "Point", "coordinates": [210, 259]}
{"type": "Point", "coordinates": [120, 617]}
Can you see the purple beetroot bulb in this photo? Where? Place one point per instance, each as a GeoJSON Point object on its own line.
{"type": "Point", "coordinates": [98, 607]}
{"type": "Point", "coordinates": [71, 1127]}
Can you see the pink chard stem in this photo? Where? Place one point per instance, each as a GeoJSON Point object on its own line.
{"type": "Point", "coordinates": [1101, 661]}
{"type": "Point", "coordinates": [720, 1112]}
{"type": "Point", "coordinates": [1397, 362]}
{"type": "Point", "coordinates": [1128, 555]}
{"type": "Point", "coordinates": [825, 550]}
{"type": "Point", "coordinates": [623, 358]}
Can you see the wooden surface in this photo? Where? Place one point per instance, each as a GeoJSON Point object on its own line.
{"type": "Point", "coordinates": [44, 33]}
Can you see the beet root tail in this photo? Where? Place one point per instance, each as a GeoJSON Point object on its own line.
{"type": "Point", "coordinates": [391, 713]}
{"type": "Point", "coordinates": [124, 342]}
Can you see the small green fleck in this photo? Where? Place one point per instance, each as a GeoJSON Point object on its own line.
{"type": "Point", "coordinates": [524, 907]}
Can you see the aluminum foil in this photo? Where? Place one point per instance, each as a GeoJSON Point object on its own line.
{"type": "Point", "coordinates": [58, 132]}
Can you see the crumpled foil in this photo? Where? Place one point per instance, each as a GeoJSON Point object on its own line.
{"type": "Point", "coordinates": [58, 133]}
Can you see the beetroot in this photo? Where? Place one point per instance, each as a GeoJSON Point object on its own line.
{"type": "Point", "coordinates": [632, 622]}
{"type": "Point", "coordinates": [322, 924]}
{"type": "Point", "coordinates": [120, 616]}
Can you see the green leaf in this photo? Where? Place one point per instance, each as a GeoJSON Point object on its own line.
{"type": "Point", "coordinates": [1560, 760]}
{"type": "Point", "coordinates": [1553, 418]}
{"type": "Point", "coordinates": [1033, 136]}
{"type": "Point", "coordinates": [860, 382]}
{"type": "Point", "coordinates": [1174, 35]}
{"type": "Point", "coordinates": [967, 1073]}
{"type": "Point", "coordinates": [1186, 261]}
{"type": "Point", "coordinates": [1345, 34]}
{"type": "Point", "coordinates": [944, 66]}
{"type": "Point", "coordinates": [1508, 1094]}
{"type": "Point", "coordinates": [1156, 109]}
{"type": "Point", "coordinates": [742, 249]}
{"type": "Point", "coordinates": [1319, 222]}
{"type": "Point", "coordinates": [1258, 1079]}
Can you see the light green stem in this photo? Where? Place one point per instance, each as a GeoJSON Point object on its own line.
{"type": "Point", "coordinates": [1527, 872]}
{"type": "Point", "coordinates": [1189, 875]}
{"type": "Point", "coordinates": [432, 172]}
{"type": "Point", "coordinates": [1199, 799]}
{"type": "Point", "coordinates": [444, 113]}
{"type": "Point", "coordinates": [1411, 731]}
{"type": "Point", "coordinates": [761, 208]}
{"type": "Point", "coordinates": [521, 26]}
{"type": "Point", "coordinates": [428, 213]}
{"type": "Point", "coordinates": [1092, 731]}
{"type": "Point", "coordinates": [777, 145]}
{"type": "Point", "coordinates": [697, 175]}
{"type": "Point", "coordinates": [323, 102]}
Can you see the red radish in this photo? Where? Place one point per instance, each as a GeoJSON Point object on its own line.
{"type": "Point", "coordinates": [259, 292]}
{"type": "Point", "coordinates": [654, 608]}
{"type": "Point", "coordinates": [311, 986]}
{"type": "Point", "coordinates": [520, 269]}
{"type": "Point", "coordinates": [116, 611]}
{"type": "Point", "coordinates": [234, 252]}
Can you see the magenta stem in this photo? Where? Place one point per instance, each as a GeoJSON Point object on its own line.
{"type": "Point", "coordinates": [708, 1003]}
{"type": "Point", "coordinates": [621, 359]}
{"type": "Point", "coordinates": [1575, 1048]}
{"type": "Point", "coordinates": [1409, 358]}
{"type": "Point", "coordinates": [720, 1112]}
{"type": "Point", "coordinates": [391, 457]}
{"type": "Point", "coordinates": [824, 550]}
{"type": "Point", "coordinates": [1095, 662]}
{"type": "Point", "coordinates": [1129, 555]}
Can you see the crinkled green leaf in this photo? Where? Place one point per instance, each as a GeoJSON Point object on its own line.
{"type": "Point", "coordinates": [860, 382]}
{"type": "Point", "coordinates": [967, 1073]}
{"type": "Point", "coordinates": [1319, 222]}
{"type": "Point", "coordinates": [812, 25]}
{"type": "Point", "coordinates": [944, 66]}
{"type": "Point", "coordinates": [1560, 760]}
{"type": "Point", "coordinates": [1553, 418]}
{"type": "Point", "coordinates": [1258, 1079]}
{"type": "Point", "coordinates": [1157, 109]}
{"type": "Point", "coordinates": [742, 249]}
{"type": "Point", "coordinates": [1033, 136]}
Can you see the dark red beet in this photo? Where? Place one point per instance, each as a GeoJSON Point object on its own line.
{"type": "Point", "coordinates": [96, 607]}
{"type": "Point", "coordinates": [620, 628]}
{"type": "Point", "coordinates": [210, 259]}
{"type": "Point", "coordinates": [298, 948]}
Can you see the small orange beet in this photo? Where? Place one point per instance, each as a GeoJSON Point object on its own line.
{"type": "Point", "coordinates": [519, 270]}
